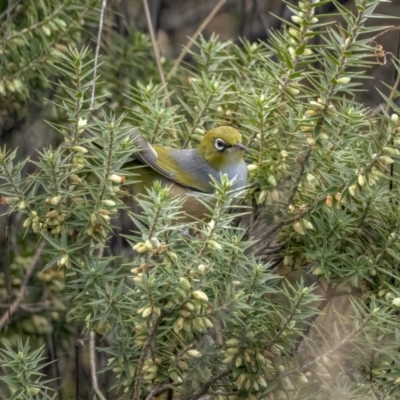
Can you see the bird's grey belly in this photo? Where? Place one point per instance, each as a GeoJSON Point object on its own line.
{"type": "Point", "coordinates": [194, 165]}
{"type": "Point", "coordinates": [237, 172]}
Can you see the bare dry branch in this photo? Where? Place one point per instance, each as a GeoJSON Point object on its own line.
{"type": "Point", "coordinates": [96, 59]}
{"type": "Point", "coordinates": [156, 50]}
{"type": "Point", "coordinates": [194, 37]}
{"type": "Point", "coordinates": [259, 7]}
{"type": "Point", "coordinates": [334, 349]}
{"type": "Point", "coordinates": [160, 390]}
{"type": "Point", "coordinates": [143, 354]}
{"type": "Point", "coordinates": [9, 9]}
{"type": "Point", "coordinates": [20, 295]}
{"type": "Point", "coordinates": [204, 389]}
{"type": "Point", "coordinates": [93, 369]}
{"type": "Point", "coordinates": [3, 58]}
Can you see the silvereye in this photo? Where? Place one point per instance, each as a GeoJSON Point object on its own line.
{"type": "Point", "coordinates": [188, 172]}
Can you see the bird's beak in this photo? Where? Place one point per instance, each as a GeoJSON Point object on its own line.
{"type": "Point", "coordinates": [240, 146]}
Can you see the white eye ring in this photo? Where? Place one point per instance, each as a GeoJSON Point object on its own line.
{"type": "Point", "coordinates": [220, 145]}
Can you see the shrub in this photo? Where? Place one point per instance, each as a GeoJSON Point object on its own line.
{"type": "Point", "coordinates": [203, 309]}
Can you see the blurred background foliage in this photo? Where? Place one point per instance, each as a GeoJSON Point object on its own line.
{"type": "Point", "coordinates": [235, 42]}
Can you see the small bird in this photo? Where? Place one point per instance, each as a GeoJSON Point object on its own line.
{"type": "Point", "coordinates": [188, 172]}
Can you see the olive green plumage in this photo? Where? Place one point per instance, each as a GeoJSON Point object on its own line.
{"type": "Point", "coordinates": [188, 172]}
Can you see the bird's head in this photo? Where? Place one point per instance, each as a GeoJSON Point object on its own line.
{"type": "Point", "coordinates": [222, 147]}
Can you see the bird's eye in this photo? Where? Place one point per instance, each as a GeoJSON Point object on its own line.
{"type": "Point", "coordinates": [220, 145]}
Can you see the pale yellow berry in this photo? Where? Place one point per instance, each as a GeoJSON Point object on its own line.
{"type": "Point", "coordinates": [343, 81]}
{"type": "Point", "coordinates": [296, 19]}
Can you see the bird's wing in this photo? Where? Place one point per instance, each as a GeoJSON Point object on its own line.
{"type": "Point", "coordinates": [161, 160]}
{"type": "Point", "coordinates": [147, 154]}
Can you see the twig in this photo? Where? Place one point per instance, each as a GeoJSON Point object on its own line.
{"type": "Point", "coordinates": [159, 390]}
{"type": "Point", "coordinates": [156, 391]}
{"type": "Point", "coordinates": [143, 354]}
{"type": "Point", "coordinates": [393, 91]}
{"type": "Point", "coordinates": [77, 370]}
{"type": "Point", "coordinates": [204, 389]}
{"type": "Point", "coordinates": [7, 263]}
{"type": "Point", "coordinates": [35, 307]}
{"type": "Point", "coordinates": [333, 350]}
{"type": "Point", "coordinates": [298, 179]}
{"type": "Point", "coordinates": [339, 345]}
{"type": "Point", "coordinates": [38, 24]}
{"type": "Point", "coordinates": [92, 353]}
{"type": "Point", "coordinates": [34, 64]}
{"type": "Point", "coordinates": [330, 293]}
{"type": "Point", "coordinates": [269, 252]}
{"type": "Point", "coordinates": [392, 28]}
{"type": "Point", "coordinates": [93, 369]}
{"type": "Point", "coordinates": [189, 44]}
{"type": "Point", "coordinates": [183, 352]}
{"type": "Point", "coordinates": [262, 16]}
{"type": "Point", "coordinates": [330, 92]}
{"type": "Point", "coordinates": [8, 12]}
{"type": "Point", "coordinates": [6, 316]}
{"type": "Point", "coordinates": [156, 51]}
{"type": "Point", "coordinates": [289, 318]}
{"type": "Point", "coordinates": [9, 9]}
{"type": "Point", "coordinates": [284, 222]}
{"type": "Point", "coordinates": [103, 7]}
{"type": "Point", "coordinates": [264, 251]}
{"type": "Point", "coordinates": [52, 350]}
{"type": "Point", "coordinates": [396, 84]}
{"type": "Point", "coordinates": [56, 363]}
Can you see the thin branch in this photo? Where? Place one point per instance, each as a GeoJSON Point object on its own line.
{"type": "Point", "coordinates": [299, 176]}
{"type": "Point", "coordinates": [287, 321]}
{"type": "Point", "coordinates": [334, 349]}
{"type": "Point", "coordinates": [93, 369]}
{"type": "Point", "coordinates": [263, 17]}
{"type": "Point", "coordinates": [9, 9]}
{"type": "Point", "coordinates": [338, 346]}
{"type": "Point", "coordinates": [52, 349]}
{"type": "Point", "coordinates": [205, 388]}
{"type": "Point", "coordinates": [143, 354]}
{"type": "Point", "coordinates": [284, 222]}
{"type": "Point", "coordinates": [34, 64]}
{"type": "Point", "coordinates": [159, 390]}
{"type": "Point", "coordinates": [198, 118]}
{"type": "Point", "coordinates": [78, 343]}
{"type": "Point", "coordinates": [269, 250]}
{"type": "Point", "coordinates": [3, 58]}
{"type": "Point", "coordinates": [330, 92]}
{"type": "Point", "coordinates": [156, 391]}
{"type": "Point", "coordinates": [35, 307]}
{"type": "Point", "coordinates": [330, 294]}
{"type": "Point", "coordinates": [7, 262]}
{"type": "Point", "coordinates": [183, 352]}
{"type": "Point", "coordinates": [189, 44]}
{"type": "Point", "coordinates": [156, 50]}
{"type": "Point", "coordinates": [20, 295]}
{"type": "Point", "coordinates": [103, 7]}
{"type": "Point", "coordinates": [384, 32]}
{"type": "Point", "coordinates": [38, 24]}
{"type": "Point", "coordinates": [393, 91]}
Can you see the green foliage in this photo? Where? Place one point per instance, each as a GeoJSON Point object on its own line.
{"type": "Point", "coordinates": [201, 308]}
{"type": "Point", "coordinates": [32, 37]}
{"type": "Point", "coordinates": [24, 380]}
